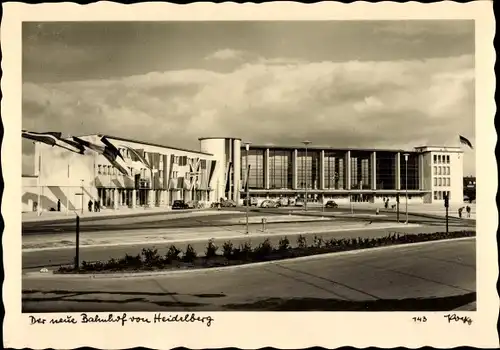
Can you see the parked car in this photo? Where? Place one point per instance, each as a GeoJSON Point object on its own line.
{"type": "Point", "coordinates": [179, 204]}
{"type": "Point", "coordinates": [269, 204]}
{"type": "Point", "coordinates": [331, 204]}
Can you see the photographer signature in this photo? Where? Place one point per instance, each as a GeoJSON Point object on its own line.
{"type": "Point", "coordinates": [456, 318]}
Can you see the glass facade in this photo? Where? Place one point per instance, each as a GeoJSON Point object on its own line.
{"type": "Point", "coordinates": [256, 163]}
{"type": "Point", "coordinates": [361, 170]}
{"type": "Point", "coordinates": [386, 171]}
{"type": "Point", "coordinates": [413, 173]}
{"type": "Point", "coordinates": [280, 169]}
{"type": "Point", "coordinates": [308, 169]}
{"type": "Point", "coordinates": [334, 173]}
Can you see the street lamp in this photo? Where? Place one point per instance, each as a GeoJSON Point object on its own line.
{"type": "Point", "coordinates": [305, 144]}
{"type": "Point", "coordinates": [406, 184]}
{"type": "Point", "coordinates": [247, 148]}
{"type": "Point", "coordinates": [82, 195]}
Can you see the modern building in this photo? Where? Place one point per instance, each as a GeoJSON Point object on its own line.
{"type": "Point", "coordinates": [218, 170]}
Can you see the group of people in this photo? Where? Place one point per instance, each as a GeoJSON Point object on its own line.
{"type": "Point", "coordinates": [461, 209]}
{"type": "Point", "coordinates": [95, 204]}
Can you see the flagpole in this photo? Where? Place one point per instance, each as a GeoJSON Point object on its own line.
{"type": "Point", "coordinates": [67, 191]}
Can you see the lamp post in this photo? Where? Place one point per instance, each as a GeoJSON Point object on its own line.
{"type": "Point", "coordinates": [306, 143]}
{"type": "Point", "coordinates": [247, 148]}
{"type": "Point", "coordinates": [406, 185]}
{"type": "Point", "coordinates": [82, 195]}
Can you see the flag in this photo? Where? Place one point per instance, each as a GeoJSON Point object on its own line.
{"type": "Point", "coordinates": [137, 156]}
{"type": "Point", "coordinates": [111, 147]}
{"type": "Point", "coordinates": [110, 153]}
{"type": "Point", "coordinates": [228, 177]}
{"type": "Point", "coordinates": [464, 141]}
{"type": "Point", "coordinates": [54, 139]}
{"type": "Point", "coordinates": [49, 138]}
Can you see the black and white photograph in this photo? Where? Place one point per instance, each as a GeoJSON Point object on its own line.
{"type": "Point", "coordinates": [195, 167]}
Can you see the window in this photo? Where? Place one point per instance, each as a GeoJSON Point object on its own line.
{"type": "Point", "coordinates": [440, 195]}
{"type": "Point", "coordinates": [435, 159]}
{"type": "Point", "coordinates": [440, 182]}
{"type": "Point", "coordinates": [448, 182]}
{"type": "Point", "coordinates": [435, 181]}
{"type": "Point", "coordinates": [98, 169]}
{"type": "Point", "coordinates": [439, 159]}
{"type": "Point", "coordinates": [435, 170]}
{"type": "Point", "coordinates": [435, 194]}
{"type": "Point", "coordinates": [439, 170]}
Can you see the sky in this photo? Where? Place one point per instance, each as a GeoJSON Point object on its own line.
{"type": "Point", "coordinates": [390, 84]}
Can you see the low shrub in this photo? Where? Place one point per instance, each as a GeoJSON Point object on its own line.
{"type": "Point", "coordinates": [151, 257]}
{"type": "Point", "coordinates": [173, 254]}
{"type": "Point", "coordinates": [227, 250]}
{"type": "Point", "coordinates": [244, 251]}
{"type": "Point", "coordinates": [211, 250]}
{"type": "Point", "coordinates": [301, 242]}
{"type": "Point", "coordinates": [283, 244]}
{"type": "Point", "coordinates": [263, 250]}
{"type": "Point", "coordinates": [317, 242]}
{"type": "Point", "coordinates": [190, 254]}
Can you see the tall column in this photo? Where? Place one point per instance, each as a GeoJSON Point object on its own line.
{"type": "Point", "coordinates": [134, 199]}
{"type": "Point", "coordinates": [294, 169]}
{"type": "Point", "coordinates": [230, 151]}
{"type": "Point", "coordinates": [266, 169]}
{"type": "Point", "coordinates": [420, 171]}
{"type": "Point", "coordinates": [348, 170]}
{"type": "Point", "coordinates": [322, 170]}
{"type": "Point", "coordinates": [237, 170]}
{"type": "Point", "coordinates": [374, 170]}
{"type": "Point", "coordinates": [116, 199]}
{"type": "Point", "coordinates": [398, 172]}
{"type": "Point", "coordinates": [151, 198]}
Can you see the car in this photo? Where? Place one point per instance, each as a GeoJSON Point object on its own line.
{"type": "Point", "coordinates": [331, 204]}
{"type": "Point", "coordinates": [179, 204]}
{"type": "Point", "coordinates": [268, 203]}
{"type": "Point", "coordinates": [228, 203]}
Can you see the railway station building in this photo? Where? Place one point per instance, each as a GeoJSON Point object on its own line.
{"type": "Point", "coordinates": [218, 170]}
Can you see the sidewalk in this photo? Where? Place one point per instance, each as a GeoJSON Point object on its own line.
{"type": "Point", "coordinates": [106, 214]}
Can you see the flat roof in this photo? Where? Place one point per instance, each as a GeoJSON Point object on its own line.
{"type": "Point", "coordinates": [221, 138]}
{"type": "Point", "coordinates": [148, 143]}
{"type": "Point", "coordinates": [329, 148]}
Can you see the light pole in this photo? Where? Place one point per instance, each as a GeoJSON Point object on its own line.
{"type": "Point", "coordinates": [82, 195]}
{"type": "Point", "coordinates": [406, 185]}
{"type": "Point", "coordinates": [247, 148]}
{"type": "Point", "coordinates": [306, 143]}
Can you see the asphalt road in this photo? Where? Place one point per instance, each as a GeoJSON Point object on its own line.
{"type": "Point", "coordinates": [56, 257]}
{"type": "Point", "coordinates": [438, 276]}
{"type": "Point", "coordinates": [166, 221]}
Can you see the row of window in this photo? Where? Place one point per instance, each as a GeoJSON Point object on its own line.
{"type": "Point", "coordinates": [441, 170]}
{"type": "Point", "coordinates": [438, 195]}
{"type": "Point", "coordinates": [441, 181]}
{"type": "Point", "coordinates": [439, 159]}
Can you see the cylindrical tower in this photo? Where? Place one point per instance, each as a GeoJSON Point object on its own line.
{"type": "Point", "coordinates": [226, 150]}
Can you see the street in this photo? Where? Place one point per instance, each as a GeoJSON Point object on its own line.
{"type": "Point", "coordinates": [435, 276]}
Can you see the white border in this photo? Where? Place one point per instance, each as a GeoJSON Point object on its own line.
{"type": "Point", "coordinates": [254, 330]}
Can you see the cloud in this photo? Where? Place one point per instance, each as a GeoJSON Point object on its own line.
{"type": "Point", "coordinates": [225, 54]}
{"type": "Point", "coordinates": [342, 104]}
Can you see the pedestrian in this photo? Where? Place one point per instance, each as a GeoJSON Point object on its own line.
{"type": "Point", "coordinates": [58, 205]}
{"type": "Point", "coordinates": [460, 212]}
{"type": "Point", "coordinates": [90, 205]}
{"type": "Point", "coordinates": [386, 200]}
{"type": "Point", "coordinates": [468, 211]}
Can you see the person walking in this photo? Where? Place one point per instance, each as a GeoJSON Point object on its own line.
{"type": "Point", "coordinates": [58, 205]}
{"type": "Point", "coordinates": [90, 205]}
{"type": "Point", "coordinates": [468, 211]}
{"type": "Point", "coordinates": [460, 212]}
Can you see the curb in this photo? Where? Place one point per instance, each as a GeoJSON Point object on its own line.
{"type": "Point", "coordinates": [467, 307]}
{"type": "Point", "coordinates": [138, 275]}
{"type": "Point", "coordinates": [250, 235]}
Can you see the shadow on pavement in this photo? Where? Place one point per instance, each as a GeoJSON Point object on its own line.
{"type": "Point", "coordinates": [316, 304]}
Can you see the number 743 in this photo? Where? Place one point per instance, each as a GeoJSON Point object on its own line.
{"type": "Point", "coordinates": [420, 319]}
